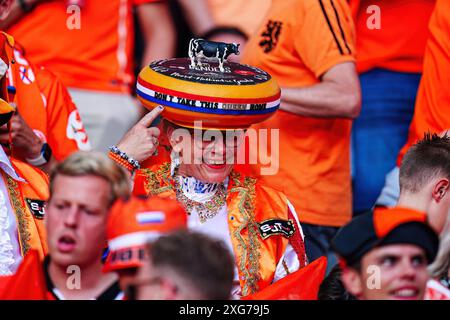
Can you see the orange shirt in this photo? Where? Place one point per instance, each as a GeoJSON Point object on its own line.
{"type": "Point", "coordinates": [46, 107]}
{"type": "Point", "coordinates": [399, 42]}
{"type": "Point", "coordinates": [246, 15]}
{"type": "Point", "coordinates": [32, 282]}
{"type": "Point", "coordinates": [298, 42]}
{"type": "Point", "coordinates": [97, 56]}
{"type": "Point", "coordinates": [432, 111]}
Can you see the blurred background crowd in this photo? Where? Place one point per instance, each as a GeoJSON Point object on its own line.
{"type": "Point", "coordinates": [365, 94]}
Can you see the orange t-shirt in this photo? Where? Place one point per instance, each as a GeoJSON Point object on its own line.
{"type": "Point", "coordinates": [246, 15]}
{"type": "Point", "coordinates": [398, 41]}
{"type": "Point", "coordinates": [298, 42]}
{"type": "Point", "coordinates": [96, 56]}
{"type": "Point", "coordinates": [432, 109]}
{"type": "Point", "coordinates": [46, 106]}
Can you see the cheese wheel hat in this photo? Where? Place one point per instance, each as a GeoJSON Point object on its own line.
{"type": "Point", "coordinates": [135, 222]}
{"type": "Point", "coordinates": [234, 99]}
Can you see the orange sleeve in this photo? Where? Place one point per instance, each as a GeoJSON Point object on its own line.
{"type": "Point", "coordinates": [325, 35]}
{"type": "Point", "coordinates": [65, 130]}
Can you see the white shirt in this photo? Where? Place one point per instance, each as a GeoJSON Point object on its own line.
{"type": "Point", "coordinates": [10, 254]}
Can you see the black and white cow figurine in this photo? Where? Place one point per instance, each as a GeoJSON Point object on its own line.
{"type": "Point", "coordinates": [199, 48]}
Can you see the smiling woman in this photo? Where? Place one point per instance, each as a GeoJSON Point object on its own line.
{"type": "Point", "coordinates": [204, 138]}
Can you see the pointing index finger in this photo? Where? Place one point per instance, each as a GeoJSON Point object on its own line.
{"type": "Point", "coordinates": [151, 116]}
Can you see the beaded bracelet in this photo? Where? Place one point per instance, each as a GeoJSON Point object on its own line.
{"type": "Point", "coordinates": [123, 159]}
{"type": "Point", "coordinates": [121, 162]}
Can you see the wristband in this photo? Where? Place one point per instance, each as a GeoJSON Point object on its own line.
{"type": "Point", "coordinates": [121, 162]}
{"type": "Point", "coordinates": [44, 156]}
{"type": "Point", "coordinates": [123, 159]}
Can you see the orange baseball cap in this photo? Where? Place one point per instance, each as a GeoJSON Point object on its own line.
{"type": "Point", "coordinates": [384, 226]}
{"type": "Point", "coordinates": [136, 221]}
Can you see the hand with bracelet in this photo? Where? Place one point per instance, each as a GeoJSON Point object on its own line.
{"type": "Point", "coordinates": [141, 141]}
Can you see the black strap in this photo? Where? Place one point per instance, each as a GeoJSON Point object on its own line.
{"type": "Point", "coordinates": [111, 293]}
{"type": "Point", "coordinates": [48, 280]}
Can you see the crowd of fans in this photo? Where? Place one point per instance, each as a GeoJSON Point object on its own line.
{"type": "Point", "coordinates": [96, 202]}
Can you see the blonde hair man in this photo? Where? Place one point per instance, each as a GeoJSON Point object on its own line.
{"type": "Point", "coordinates": [82, 188]}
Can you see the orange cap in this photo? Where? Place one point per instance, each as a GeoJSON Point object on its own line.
{"type": "Point", "coordinates": [136, 221]}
